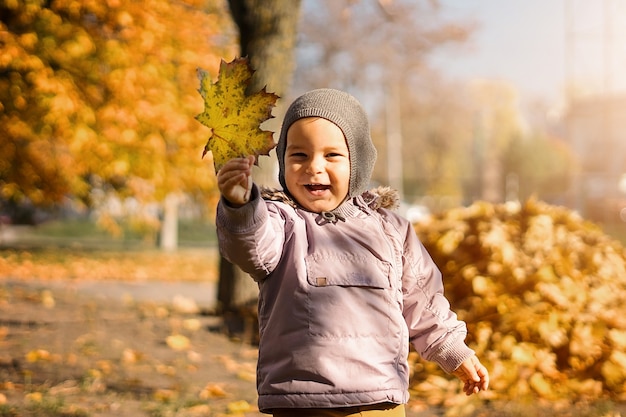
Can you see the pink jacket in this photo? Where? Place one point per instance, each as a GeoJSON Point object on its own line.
{"type": "Point", "coordinates": [341, 296]}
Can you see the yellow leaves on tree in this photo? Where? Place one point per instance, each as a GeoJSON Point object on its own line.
{"type": "Point", "coordinates": [100, 93]}
{"type": "Point", "coordinates": [234, 116]}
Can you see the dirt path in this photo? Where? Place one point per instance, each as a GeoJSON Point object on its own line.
{"type": "Point", "coordinates": [64, 353]}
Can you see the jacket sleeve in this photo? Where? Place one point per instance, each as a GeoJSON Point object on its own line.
{"type": "Point", "coordinates": [434, 329]}
{"type": "Point", "coordinates": [250, 236]}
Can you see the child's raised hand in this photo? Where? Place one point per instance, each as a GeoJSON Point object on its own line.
{"type": "Point", "coordinates": [234, 180]}
{"type": "Point", "coordinates": [474, 376]}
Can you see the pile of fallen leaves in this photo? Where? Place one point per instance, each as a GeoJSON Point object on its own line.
{"type": "Point", "coordinates": [542, 291]}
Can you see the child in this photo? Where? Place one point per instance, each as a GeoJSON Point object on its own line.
{"type": "Point", "coordinates": [344, 282]}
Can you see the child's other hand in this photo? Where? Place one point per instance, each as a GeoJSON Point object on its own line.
{"type": "Point", "coordinates": [234, 180]}
{"type": "Point", "coordinates": [474, 376]}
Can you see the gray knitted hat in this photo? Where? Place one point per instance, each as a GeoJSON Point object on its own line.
{"type": "Point", "coordinates": [347, 113]}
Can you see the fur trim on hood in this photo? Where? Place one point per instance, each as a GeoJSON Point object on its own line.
{"type": "Point", "coordinates": [379, 197]}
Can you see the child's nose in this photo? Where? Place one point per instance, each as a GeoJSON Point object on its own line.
{"type": "Point", "coordinates": [316, 165]}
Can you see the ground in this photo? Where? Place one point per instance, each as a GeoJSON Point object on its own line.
{"type": "Point", "coordinates": [78, 348]}
{"type": "Point", "coordinates": [100, 333]}
{"type": "Point", "coordinates": [66, 354]}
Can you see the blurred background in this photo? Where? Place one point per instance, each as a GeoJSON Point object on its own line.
{"type": "Point", "coordinates": [472, 100]}
{"type": "Point", "coordinates": [474, 105]}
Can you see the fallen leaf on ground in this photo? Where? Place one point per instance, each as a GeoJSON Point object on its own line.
{"type": "Point", "coordinates": [178, 342]}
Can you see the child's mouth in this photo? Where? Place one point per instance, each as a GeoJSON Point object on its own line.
{"type": "Point", "coordinates": [316, 188]}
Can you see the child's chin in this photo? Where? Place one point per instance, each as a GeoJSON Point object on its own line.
{"type": "Point", "coordinates": [319, 208]}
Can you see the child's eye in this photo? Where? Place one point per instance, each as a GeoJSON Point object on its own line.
{"type": "Point", "coordinates": [297, 155]}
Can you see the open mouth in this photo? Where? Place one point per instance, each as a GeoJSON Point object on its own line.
{"type": "Point", "coordinates": [316, 188]}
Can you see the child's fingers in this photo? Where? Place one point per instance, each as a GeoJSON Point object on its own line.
{"type": "Point", "coordinates": [234, 168]}
{"type": "Point", "coordinates": [227, 175]}
{"type": "Point", "coordinates": [229, 179]}
{"type": "Point", "coordinates": [237, 164]}
{"type": "Point", "coordinates": [484, 377]}
{"type": "Point", "coordinates": [234, 179]}
{"type": "Point", "coordinates": [474, 376]}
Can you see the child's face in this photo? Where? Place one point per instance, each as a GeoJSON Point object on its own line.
{"type": "Point", "coordinates": [317, 164]}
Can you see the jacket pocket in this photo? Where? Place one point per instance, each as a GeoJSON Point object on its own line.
{"type": "Point", "coordinates": [348, 296]}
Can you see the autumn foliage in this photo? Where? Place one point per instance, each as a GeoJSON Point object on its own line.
{"type": "Point", "coordinates": [102, 94]}
{"type": "Point", "coordinates": [542, 292]}
{"type": "Point", "coordinates": [234, 115]}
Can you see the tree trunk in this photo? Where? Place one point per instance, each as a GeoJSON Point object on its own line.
{"type": "Point", "coordinates": [168, 240]}
{"type": "Point", "coordinates": [267, 36]}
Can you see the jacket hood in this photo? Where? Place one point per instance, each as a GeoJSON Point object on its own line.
{"type": "Point", "coordinates": [376, 198]}
{"type": "Point", "coordinates": [345, 111]}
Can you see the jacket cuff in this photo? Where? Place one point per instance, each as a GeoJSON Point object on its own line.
{"type": "Point", "coordinates": [451, 356]}
{"type": "Point", "coordinates": [240, 219]}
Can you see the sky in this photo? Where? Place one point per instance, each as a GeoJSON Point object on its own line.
{"type": "Point", "coordinates": [541, 46]}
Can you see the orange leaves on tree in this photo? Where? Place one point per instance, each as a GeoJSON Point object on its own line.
{"type": "Point", "coordinates": [104, 90]}
{"type": "Point", "coordinates": [233, 115]}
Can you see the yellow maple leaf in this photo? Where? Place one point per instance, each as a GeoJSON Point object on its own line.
{"type": "Point", "coordinates": [234, 116]}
